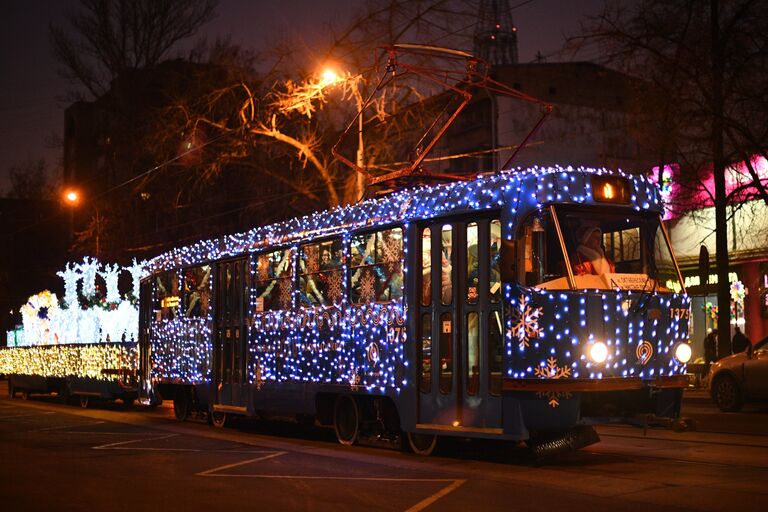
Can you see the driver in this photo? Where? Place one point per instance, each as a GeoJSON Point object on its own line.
{"type": "Point", "coordinates": [589, 257]}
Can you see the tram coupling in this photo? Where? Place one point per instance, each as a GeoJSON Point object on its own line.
{"type": "Point", "coordinates": [545, 444]}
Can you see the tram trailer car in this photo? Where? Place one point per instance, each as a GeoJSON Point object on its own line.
{"type": "Point", "coordinates": [81, 372]}
{"type": "Point", "coordinates": [449, 310]}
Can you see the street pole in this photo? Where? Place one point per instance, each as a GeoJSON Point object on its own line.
{"type": "Point", "coordinates": [360, 182]}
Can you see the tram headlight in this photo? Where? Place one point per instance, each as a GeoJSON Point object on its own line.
{"type": "Point", "coordinates": [598, 352]}
{"type": "Point", "coordinates": [683, 352]}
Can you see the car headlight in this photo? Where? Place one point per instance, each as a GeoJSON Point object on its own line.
{"type": "Point", "coordinates": [683, 352]}
{"type": "Point", "coordinates": [598, 352]}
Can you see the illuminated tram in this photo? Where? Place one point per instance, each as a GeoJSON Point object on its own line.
{"type": "Point", "coordinates": [451, 310]}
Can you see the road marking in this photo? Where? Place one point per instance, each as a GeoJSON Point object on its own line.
{"type": "Point", "coordinates": [242, 463]}
{"type": "Point", "coordinates": [431, 499]}
{"type": "Point", "coordinates": [454, 484]}
{"type": "Point", "coordinates": [111, 446]}
{"type": "Point", "coordinates": [121, 445]}
{"type": "Point", "coordinates": [97, 432]}
{"type": "Point", "coordinates": [25, 415]}
{"type": "Point", "coordinates": [60, 427]}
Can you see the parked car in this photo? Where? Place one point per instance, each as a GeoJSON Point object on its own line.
{"type": "Point", "coordinates": [740, 378]}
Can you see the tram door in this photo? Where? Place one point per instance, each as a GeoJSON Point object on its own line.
{"type": "Point", "coordinates": [146, 309]}
{"type": "Point", "coordinates": [230, 348]}
{"type": "Point", "coordinates": [460, 324]}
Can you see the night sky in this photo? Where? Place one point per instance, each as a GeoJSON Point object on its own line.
{"type": "Point", "coordinates": [31, 104]}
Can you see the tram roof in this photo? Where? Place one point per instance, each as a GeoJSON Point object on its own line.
{"type": "Point", "coordinates": [523, 189]}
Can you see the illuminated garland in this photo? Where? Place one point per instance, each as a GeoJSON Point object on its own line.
{"type": "Point", "coordinates": [542, 184]}
{"type": "Point", "coordinates": [568, 335]}
{"type": "Point", "coordinates": [181, 349]}
{"type": "Point", "coordinates": [87, 361]}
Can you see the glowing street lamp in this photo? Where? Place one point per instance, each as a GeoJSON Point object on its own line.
{"type": "Point", "coordinates": [329, 77]}
{"type": "Point", "coordinates": [71, 198]}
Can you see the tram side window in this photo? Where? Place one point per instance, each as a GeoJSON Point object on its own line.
{"type": "Point", "coordinates": [426, 267]}
{"type": "Point", "coordinates": [320, 273]}
{"type": "Point", "coordinates": [473, 263]}
{"type": "Point", "coordinates": [542, 256]}
{"type": "Point", "coordinates": [495, 288]}
{"type": "Point", "coordinates": [196, 291]}
{"type": "Point", "coordinates": [274, 276]}
{"type": "Point", "coordinates": [376, 268]}
{"type": "Point", "coordinates": [167, 295]}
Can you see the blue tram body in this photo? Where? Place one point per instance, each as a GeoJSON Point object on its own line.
{"type": "Point", "coordinates": [453, 309]}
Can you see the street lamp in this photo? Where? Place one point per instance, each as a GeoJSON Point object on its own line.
{"type": "Point", "coordinates": [71, 198]}
{"type": "Point", "coordinates": [350, 83]}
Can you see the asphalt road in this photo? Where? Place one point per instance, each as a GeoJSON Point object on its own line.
{"type": "Point", "coordinates": [54, 456]}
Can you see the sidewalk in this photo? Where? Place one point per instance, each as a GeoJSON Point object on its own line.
{"type": "Point", "coordinates": [696, 395]}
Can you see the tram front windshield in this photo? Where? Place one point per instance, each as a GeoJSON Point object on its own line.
{"type": "Point", "coordinates": [604, 249]}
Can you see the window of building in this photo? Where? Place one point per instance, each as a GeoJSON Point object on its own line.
{"type": "Point", "coordinates": [320, 273]}
{"type": "Point", "coordinates": [376, 269]}
{"type": "Point", "coordinates": [274, 276]}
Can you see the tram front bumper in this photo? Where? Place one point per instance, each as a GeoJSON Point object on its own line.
{"type": "Point", "coordinates": [565, 403]}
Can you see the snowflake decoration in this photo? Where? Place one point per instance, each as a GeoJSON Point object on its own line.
{"type": "Point", "coordinates": [334, 287]}
{"type": "Point", "coordinates": [263, 267]}
{"type": "Point", "coordinates": [392, 251]}
{"type": "Point", "coordinates": [526, 322]}
{"type": "Point", "coordinates": [367, 287]}
{"type": "Point", "coordinates": [310, 257]}
{"type": "Point", "coordinates": [552, 371]}
{"type": "Point", "coordinates": [285, 293]}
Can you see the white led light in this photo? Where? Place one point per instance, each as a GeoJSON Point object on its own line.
{"type": "Point", "coordinates": [598, 352]}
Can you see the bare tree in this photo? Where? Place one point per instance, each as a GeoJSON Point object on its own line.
{"type": "Point", "coordinates": [104, 38]}
{"type": "Point", "coordinates": [29, 181]}
{"type": "Point", "coordinates": [708, 64]}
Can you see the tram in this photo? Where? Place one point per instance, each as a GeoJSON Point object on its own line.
{"type": "Point", "coordinates": [459, 309]}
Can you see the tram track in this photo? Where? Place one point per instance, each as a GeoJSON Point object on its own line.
{"type": "Point", "coordinates": [647, 458]}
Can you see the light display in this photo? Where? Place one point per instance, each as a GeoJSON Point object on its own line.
{"type": "Point", "coordinates": [71, 276]}
{"type": "Point", "coordinates": [88, 269]}
{"type": "Point", "coordinates": [88, 361]}
{"type": "Point", "coordinates": [64, 341]}
{"type": "Point", "coordinates": [36, 315]}
{"type": "Point", "coordinates": [364, 344]}
{"type": "Point", "coordinates": [110, 273]}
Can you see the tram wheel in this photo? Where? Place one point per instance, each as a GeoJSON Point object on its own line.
{"type": "Point", "coordinates": [181, 405]}
{"type": "Point", "coordinates": [84, 401]}
{"type": "Point", "coordinates": [218, 418]}
{"type": "Point", "coordinates": [422, 444]}
{"type": "Point", "coordinates": [346, 420]}
{"type": "Point", "coordinates": [726, 393]}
